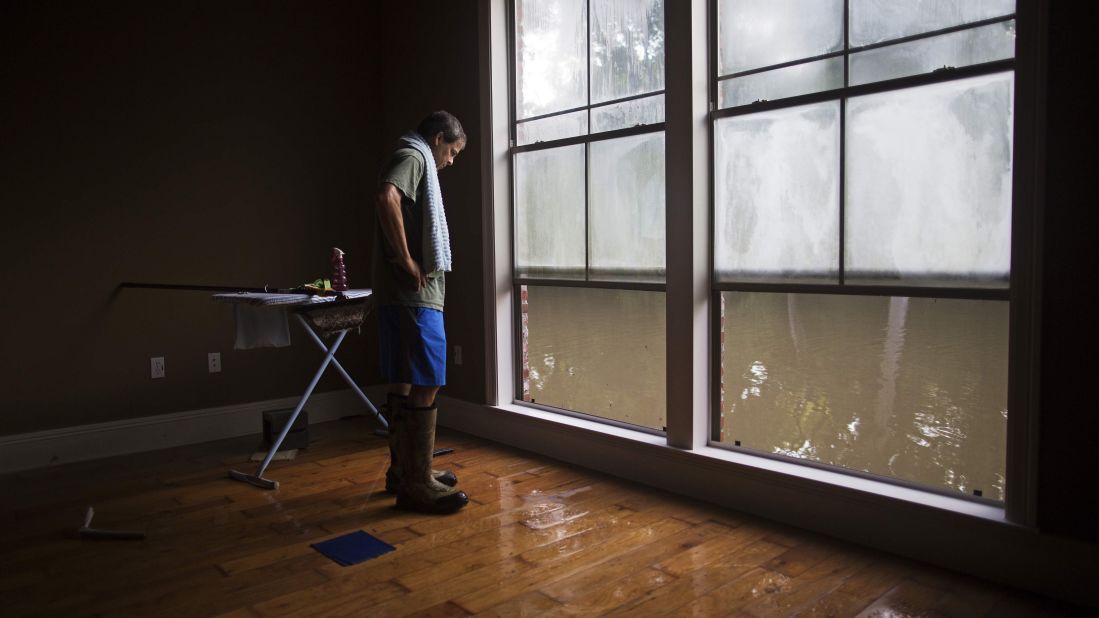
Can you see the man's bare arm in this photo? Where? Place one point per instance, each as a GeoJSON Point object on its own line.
{"type": "Point", "coordinates": [388, 205]}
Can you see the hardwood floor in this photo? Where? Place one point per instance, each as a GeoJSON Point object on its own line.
{"type": "Point", "coordinates": [539, 538]}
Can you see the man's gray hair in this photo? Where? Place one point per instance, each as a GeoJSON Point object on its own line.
{"type": "Point", "coordinates": [441, 122]}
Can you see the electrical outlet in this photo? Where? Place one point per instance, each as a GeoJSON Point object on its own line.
{"type": "Point", "coordinates": [213, 362]}
{"type": "Point", "coordinates": [457, 355]}
{"type": "Point", "coordinates": [156, 365]}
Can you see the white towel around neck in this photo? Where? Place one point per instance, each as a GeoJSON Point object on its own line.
{"type": "Point", "coordinates": [436, 236]}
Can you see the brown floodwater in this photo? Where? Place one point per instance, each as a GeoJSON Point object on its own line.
{"type": "Point", "coordinates": [909, 388]}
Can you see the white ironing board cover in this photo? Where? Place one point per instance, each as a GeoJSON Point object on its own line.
{"type": "Point", "coordinates": [261, 316]}
{"type": "Point", "coordinates": [273, 299]}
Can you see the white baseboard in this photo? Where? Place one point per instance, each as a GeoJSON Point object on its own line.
{"type": "Point", "coordinates": [84, 442]}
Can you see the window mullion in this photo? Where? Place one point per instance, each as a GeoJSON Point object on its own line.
{"type": "Point", "coordinates": [587, 148]}
{"type": "Point", "coordinates": [843, 139]}
{"type": "Point", "coordinates": [587, 211]}
{"type": "Point", "coordinates": [687, 195]}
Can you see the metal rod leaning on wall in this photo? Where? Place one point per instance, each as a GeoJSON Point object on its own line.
{"type": "Point", "coordinates": [208, 288]}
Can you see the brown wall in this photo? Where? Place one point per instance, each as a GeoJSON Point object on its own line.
{"type": "Point", "coordinates": [1069, 421]}
{"type": "Point", "coordinates": [199, 142]}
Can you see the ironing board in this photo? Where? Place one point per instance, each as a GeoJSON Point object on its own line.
{"type": "Point", "coordinates": [318, 315]}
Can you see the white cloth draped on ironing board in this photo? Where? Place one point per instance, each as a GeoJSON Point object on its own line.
{"type": "Point", "coordinates": [261, 327]}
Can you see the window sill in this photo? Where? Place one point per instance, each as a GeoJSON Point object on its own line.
{"type": "Point", "coordinates": [739, 463]}
{"type": "Point", "coordinates": [838, 479]}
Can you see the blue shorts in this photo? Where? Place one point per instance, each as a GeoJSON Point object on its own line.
{"type": "Point", "coordinates": [411, 345]}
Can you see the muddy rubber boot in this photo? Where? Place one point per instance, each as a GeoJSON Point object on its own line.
{"type": "Point", "coordinates": [419, 491]}
{"type": "Point", "coordinates": [396, 423]}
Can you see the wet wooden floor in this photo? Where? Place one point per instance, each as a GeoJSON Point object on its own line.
{"type": "Point", "coordinates": [540, 538]}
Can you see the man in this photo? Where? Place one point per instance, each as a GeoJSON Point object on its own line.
{"type": "Point", "coordinates": [411, 255]}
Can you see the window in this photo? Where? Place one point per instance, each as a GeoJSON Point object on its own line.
{"type": "Point", "coordinates": [587, 158]}
{"type": "Point", "coordinates": [862, 155]}
{"type": "Point", "coordinates": [862, 235]}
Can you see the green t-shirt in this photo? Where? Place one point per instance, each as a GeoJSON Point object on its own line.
{"type": "Point", "coordinates": [391, 284]}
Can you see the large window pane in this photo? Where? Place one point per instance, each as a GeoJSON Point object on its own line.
{"type": "Point", "coordinates": [551, 61]}
{"type": "Point", "coordinates": [600, 352]}
{"type": "Point", "coordinates": [957, 49]}
{"type": "Point", "coordinates": [549, 211]}
{"type": "Point", "coordinates": [909, 388]}
{"type": "Point", "coordinates": [627, 205]}
{"type": "Point", "coordinates": [781, 83]}
{"type": "Point", "coordinates": [929, 183]}
{"type": "Point", "coordinates": [759, 33]}
{"type": "Point", "coordinates": [627, 48]}
{"type": "Point", "coordinates": [873, 21]}
{"type": "Point", "coordinates": [777, 194]}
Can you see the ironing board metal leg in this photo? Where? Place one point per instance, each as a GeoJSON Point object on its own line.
{"type": "Point", "coordinates": [329, 359]}
{"type": "Point", "coordinates": [301, 404]}
{"type": "Point", "coordinates": [346, 377]}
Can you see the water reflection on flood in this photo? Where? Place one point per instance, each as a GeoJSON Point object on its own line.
{"type": "Point", "coordinates": [909, 388]}
{"type": "Point", "coordinates": [600, 352]}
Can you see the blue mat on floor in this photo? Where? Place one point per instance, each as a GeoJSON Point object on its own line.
{"type": "Point", "coordinates": [353, 548]}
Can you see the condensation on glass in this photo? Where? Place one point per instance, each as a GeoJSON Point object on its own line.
{"type": "Point", "coordinates": [627, 206]}
{"type": "Point", "coordinates": [553, 127]}
{"type": "Point", "coordinates": [596, 351]}
{"type": "Point", "coordinates": [601, 219]}
{"type": "Point", "coordinates": [551, 62]}
{"type": "Point", "coordinates": [908, 388]}
{"type": "Point", "coordinates": [756, 34]}
{"type": "Point", "coordinates": [777, 194]}
{"type": "Point", "coordinates": [929, 183]}
{"type": "Point", "coordinates": [549, 211]}
{"type": "Point", "coordinates": [759, 33]}
{"type": "Point", "coordinates": [627, 48]}
{"type": "Point", "coordinates": [632, 113]}
{"type": "Point", "coordinates": [790, 81]}
{"type": "Point", "coordinates": [874, 21]}
{"type": "Point", "coordinates": [566, 61]}
{"type": "Point", "coordinates": [956, 49]}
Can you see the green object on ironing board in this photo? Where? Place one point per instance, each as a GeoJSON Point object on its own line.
{"type": "Point", "coordinates": [322, 287]}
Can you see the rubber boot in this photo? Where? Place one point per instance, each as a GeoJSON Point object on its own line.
{"type": "Point", "coordinates": [419, 491]}
{"type": "Point", "coordinates": [396, 422]}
